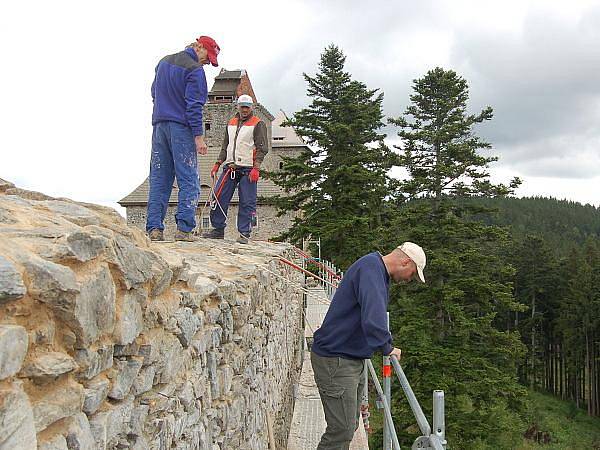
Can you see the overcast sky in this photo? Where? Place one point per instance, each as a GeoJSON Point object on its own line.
{"type": "Point", "coordinates": [75, 114]}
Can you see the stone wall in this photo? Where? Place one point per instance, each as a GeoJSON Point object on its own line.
{"type": "Point", "coordinates": [109, 341]}
{"type": "Point", "coordinates": [269, 225]}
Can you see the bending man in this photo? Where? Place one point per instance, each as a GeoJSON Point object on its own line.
{"type": "Point", "coordinates": [354, 328]}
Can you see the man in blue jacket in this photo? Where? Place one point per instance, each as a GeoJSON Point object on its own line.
{"type": "Point", "coordinates": [354, 328]}
{"type": "Point", "coordinates": [179, 93]}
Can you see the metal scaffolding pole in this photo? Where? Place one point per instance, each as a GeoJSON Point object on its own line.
{"type": "Point", "coordinates": [412, 400]}
{"type": "Point", "coordinates": [386, 406]}
{"type": "Point", "coordinates": [439, 422]}
{"type": "Point", "coordinates": [387, 390]}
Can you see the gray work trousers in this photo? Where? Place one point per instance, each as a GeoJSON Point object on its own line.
{"type": "Point", "coordinates": [341, 383]}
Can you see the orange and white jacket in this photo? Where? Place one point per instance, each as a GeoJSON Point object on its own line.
{"type": "Point", "coordinates": [245, 142]}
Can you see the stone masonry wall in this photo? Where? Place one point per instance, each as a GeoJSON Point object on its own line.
{"type": "Point", "coordinates": [269, 225]}
{"type": "Point", "coordinates": [108, 341]}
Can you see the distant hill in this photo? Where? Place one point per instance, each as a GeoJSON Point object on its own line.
{"type": "Point", "coordinates": [562, 223]}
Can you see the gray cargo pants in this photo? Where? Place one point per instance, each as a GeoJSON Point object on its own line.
{"type": "Point", "coordinates": [340, 382]}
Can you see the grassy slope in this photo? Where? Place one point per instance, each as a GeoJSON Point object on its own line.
{"type": "Point", "coordinates": [569, 428]}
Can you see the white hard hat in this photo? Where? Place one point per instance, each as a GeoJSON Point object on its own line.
{"type": "Point", "coordinates": [245, 100]}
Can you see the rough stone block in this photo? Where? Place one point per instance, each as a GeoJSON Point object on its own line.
{"type": "Point", "coordinates": [144, 380]}
{"type": "Point", "coordinates": [202, 285]}
{"type": "Point", "coordinates": [57, 403]}
{"type": "Point", "coordinates": [127, 350]}
{"type": "Point", "coordinates": [4, 185]}
{"type": "Point", "coordinates": [56, 442]}
{"type": "Point", "coordinates": [73, 212]}
{"type": "Point", "coordinates": [212, 314]}
{"type": "Point", "coordinates": [187, 325]}
{"type": "Point", "coordinates": [93, 361]}
{"type": "Point", "coordinates": [175, 262]}
{"type": "Point", "coordinates": [52, 284]}
{"type": "Point", "coordinates": [11, 282]}
{"type": "Point", "coordinates": [225, 379]}
{"type": "Point", "coordinates": [127, 371]}
{"type": "Point", "coordinates": [213, 375]}
{"type": "Point", "coordinates": [79, 436]}
{"type": "Point", "coordinates": [13, 348]}
{"type": "Point", "coordinates": [85, 246]}
{"type": "Point", "coordinates": [138, 419]}
{"type": "Point", "coordinates": [202, 341]}
{"type": "Point", "coordinates": [95, 393]}
{"type": "Point", "coordinates": [133, 263]}
{"type": "Point", "coordinates": [167, 354]}
{"type": "Point", "coordinates": [108, 424]}
{"type": "Point", "coordinates": [130, 321]}
{"type": "Point", "coordinates": [140, 443]}
{"type": "Point", "coordinates": [185, 394]}
{"type": "Point", "coordinates": [17, 430]}
{"type": "Point", "coordinates": [47, 366]}
{"type": "Point", "coordinates": [95, 307]}
{"type": "Point", "coordinates": [161, 276]}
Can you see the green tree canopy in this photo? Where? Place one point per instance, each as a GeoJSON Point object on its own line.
{"type": "Point", "coordinates": [340, 182]}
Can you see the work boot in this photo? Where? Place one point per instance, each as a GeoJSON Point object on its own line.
{"type": "Point", "coordinates": [156, 235]}
{"type": "Point", "coordinates": [215, 233]}
{"type": "Point", "coordinates": [185, 236]}
{"type": "Point", "coordinates": [243, 239]}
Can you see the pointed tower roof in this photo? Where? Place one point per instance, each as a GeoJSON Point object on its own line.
{"type": "Point", "coordinates": [284, 136]}
{"type": "Point", "coordinates": [229, 85]}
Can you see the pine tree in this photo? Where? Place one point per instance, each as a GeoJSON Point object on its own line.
{"type": "Point", "coordinates": [340, 182]}
{"type": "Point", "coordinates": [535, 288]}
{"type": "Point", "coordinates": [440, 150]}
{"type": "Point", "coordinates": [459, 347]}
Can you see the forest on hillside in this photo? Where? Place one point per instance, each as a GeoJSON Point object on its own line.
{"type": "Point", "coordinates": [512, 299]}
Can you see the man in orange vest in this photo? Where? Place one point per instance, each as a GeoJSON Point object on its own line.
{"type": "Point", "coordinates": [244, 148]}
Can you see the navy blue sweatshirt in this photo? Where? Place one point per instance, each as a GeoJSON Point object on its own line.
{"type": "Point", "coordinates": [179, 90]}
{"type": "Point", "coordinates": [355, 326]}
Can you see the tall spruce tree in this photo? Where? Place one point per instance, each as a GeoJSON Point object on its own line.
{"type": "Point", "coordinates": [340, 182]}
{"type": "Point", "coordinates": [579, 321]}
{"type": "Point", "coordinates": [447, 327]}
{"type": "Point", "coordinates": [535, 288]}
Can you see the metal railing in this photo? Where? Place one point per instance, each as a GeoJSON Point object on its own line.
{"type": "Point", "coordinates": [434, 440]}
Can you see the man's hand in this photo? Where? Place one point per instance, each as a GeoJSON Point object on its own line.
{"type": "Point", "coordinates": [254, 174]}
{"type": "Point", "coordinates": [201, 147]}
{"type": "Point", "coordinates": [215, 169]}
{"type": "Point", "coordinates": [397, 353]}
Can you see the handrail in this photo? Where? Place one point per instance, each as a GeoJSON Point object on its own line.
{"type": "Point", "coordinates": [318, 263]}
{"type": "Point", "coordinates": [412, 400]}
{"type": "Point", "coordinates": [386, 408]}
{"type": "Point", "coordinates": [433, 440]}
{"type": "Point", "coordinates": [307, 272]}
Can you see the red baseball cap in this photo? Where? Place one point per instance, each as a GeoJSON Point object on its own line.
{"type": "Point", "coordinates": [211, 47]}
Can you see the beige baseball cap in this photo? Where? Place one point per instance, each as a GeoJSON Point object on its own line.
{"type": "Point", "coordinates": [416, 253]}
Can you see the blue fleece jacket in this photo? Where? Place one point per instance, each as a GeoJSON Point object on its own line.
{"type": "Point", "coordinates": [355, 326]}
{"type": "Point", "coordinates": [179, 90]}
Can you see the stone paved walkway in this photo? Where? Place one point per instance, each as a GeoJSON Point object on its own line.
{"type": "Point", "coordinates": [308, 422]}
